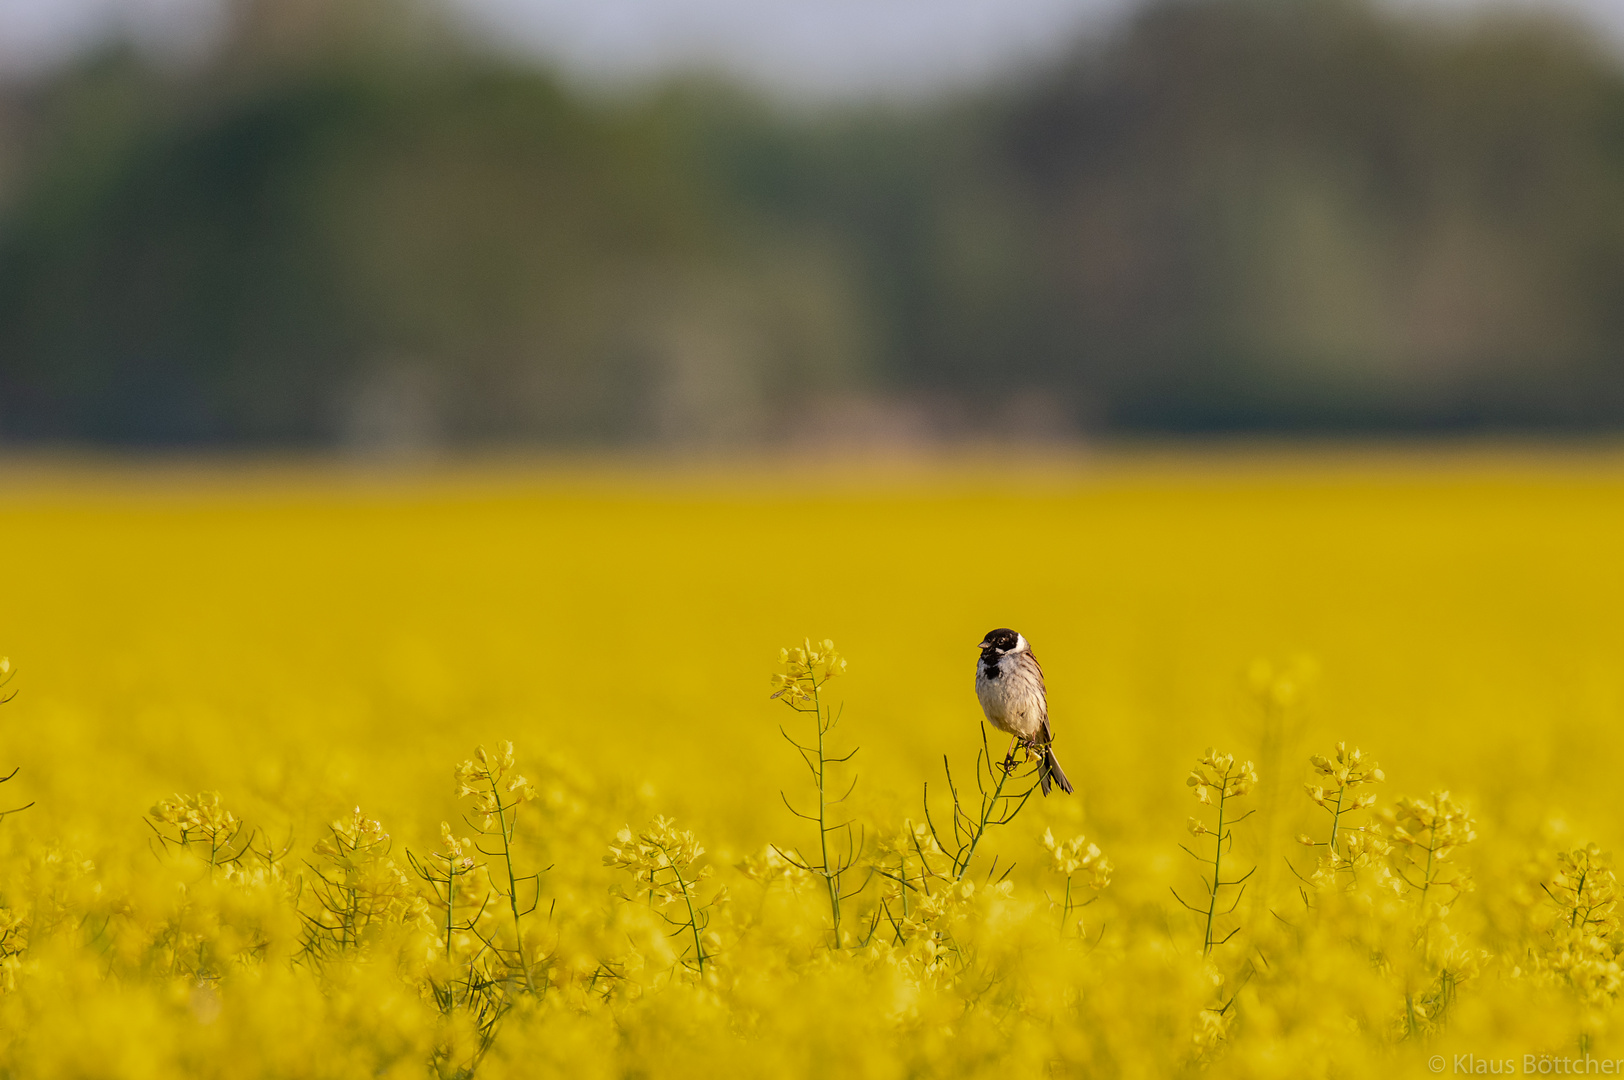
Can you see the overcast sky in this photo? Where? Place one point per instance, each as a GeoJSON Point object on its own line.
{"type": "Point", "coordinates": [817, 46]}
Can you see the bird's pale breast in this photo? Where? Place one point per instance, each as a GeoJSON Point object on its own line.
{"type": "Point", "coordinates": [1013, 699]}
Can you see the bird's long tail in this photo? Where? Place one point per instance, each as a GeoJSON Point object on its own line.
{"type": "Point", "coordinates": [1049, 771]}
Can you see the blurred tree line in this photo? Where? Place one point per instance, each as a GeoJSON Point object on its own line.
{"type": "Point", "coordinates": [348, 225]}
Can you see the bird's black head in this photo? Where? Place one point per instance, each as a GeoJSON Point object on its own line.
{"type": "Point", "coordinates": [1000, 642]}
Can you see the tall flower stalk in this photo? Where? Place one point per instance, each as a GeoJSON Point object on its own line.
{"type": "Point", "coordinates": [807, 671]}
{"type": "Point", "coordinates": [498, 792]}
{"type": "Point", "coordinates": [1339, 789]}
{"type": "Point", "coordinates": [1217, 782]}
{"type": "Point", "coordinates": [663, 861]}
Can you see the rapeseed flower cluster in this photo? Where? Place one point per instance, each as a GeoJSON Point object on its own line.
{"type": "Point", "coordinates": [425, 963]}
{"type": "Point", "coordinates": [343, 889]}
{"type": "Point", "coordinates": [1585, 942]}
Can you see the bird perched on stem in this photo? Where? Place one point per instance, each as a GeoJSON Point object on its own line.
{"type": "Point", "coordinates": [1009, 684]}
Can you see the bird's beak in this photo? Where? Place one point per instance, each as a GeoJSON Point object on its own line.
{"type": "Point", "coordinates": [983, 645]}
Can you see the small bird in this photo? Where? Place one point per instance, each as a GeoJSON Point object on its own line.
{"type": "Point", "coordinates": [1009, 684]}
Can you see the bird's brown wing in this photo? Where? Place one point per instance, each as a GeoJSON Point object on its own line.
{"type": "Point", "coordinates": [1043, 700]}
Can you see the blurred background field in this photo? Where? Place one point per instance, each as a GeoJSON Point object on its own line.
{"type": "Point", "coordinates": [312, 639]}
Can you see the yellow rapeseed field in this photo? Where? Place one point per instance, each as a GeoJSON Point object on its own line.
{"type": "Point", "coordinates": [480, 771]}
